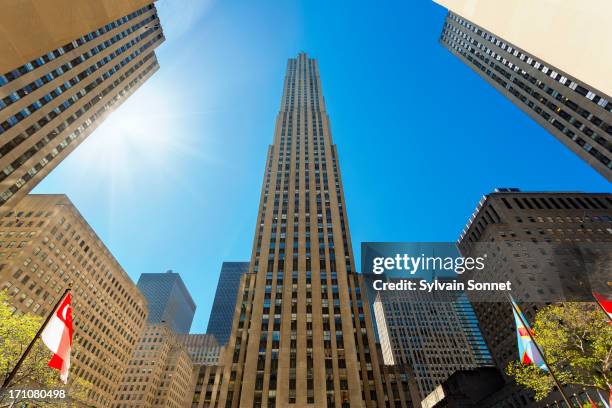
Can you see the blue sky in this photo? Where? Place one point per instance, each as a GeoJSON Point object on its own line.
{"type": "Point", "coordinates": [172, 179]}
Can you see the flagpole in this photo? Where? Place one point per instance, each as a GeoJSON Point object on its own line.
{"type": "Point", "coordinates": [10, 377]}
{"type": "Point", "coordinates": [552, 374]}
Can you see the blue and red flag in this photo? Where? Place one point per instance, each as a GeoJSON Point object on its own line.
{"type": "Point", "coordinates": [528, 350]}
{"type": "Point", "coordinates": [605, 403]}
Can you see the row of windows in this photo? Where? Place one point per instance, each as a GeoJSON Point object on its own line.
{"type": "Point", "coordinates": [44, 59]}
{"type": "Point", "coordinates": [4, 196]}
{"type": "Point", "coordinates": [590, 95]}
{"type": "Point", "coordinates": [542, 106]}
{"type": "Point", "coordinates": [59, 71]}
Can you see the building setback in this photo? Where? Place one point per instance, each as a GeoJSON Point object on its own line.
{"type": "Point", "coordinates": [519, 229]}
{"type": "Point", "coordinates": [431, 335]}
{"type": "Point", "coordinates": [572, 110]}
{"type": "Point", "coordinates": [302, 333]}
{"type": "Point", "coordinates": [65, 66]}
{"type": "Point", "coordinates": [222, 313]}
{"type": "Point", "coordinates": [46, 245]}
{"type": "Point", "coordinates": [202, 348]}
{"type": "Point", "coordinates": [160, 372]}
{"type": "Point", "coordinates": [169, 300]}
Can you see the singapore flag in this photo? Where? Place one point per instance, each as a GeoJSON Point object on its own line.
{"type": "Point", "coordinates": [57, 335]}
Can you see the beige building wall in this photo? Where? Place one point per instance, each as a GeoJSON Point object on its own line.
{"type": "Point", "coordinates": [159, 374]}
{"type": "Point", "coordinates": [46, 245]}
{"type": "Point", "coordinates": [51, 103]}
{"type": "Point", "coordinates": [207, 385]}
{"type": "Point", "coordinates": [572, 35]}
{"type": "Point", "coordinates": [30, 28]}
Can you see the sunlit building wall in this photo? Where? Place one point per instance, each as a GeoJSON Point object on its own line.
{"type": "Point", "coordinates": [64, 67]}
{"type": "Point", "coordinates": [45, 246]}
{"type": "Point", "coordinates": [556, 69]}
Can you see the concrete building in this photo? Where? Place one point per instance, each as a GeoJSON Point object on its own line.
{"type": "Point", "coordinates": [169, 300]}
{"type": "Point", "coordinates": [206, 354]}
{"type": "Point", "coordinates": [160, 372]}
{"type": "Point", "coordinates": [302, 333]}
{"type": "Point", "coordinates": [46, 245]}
{"type": "Point", "coordinates": [544, 66]}
{"type": "Point", "coordinates": [222, 313]}
{"type": "Point", "coordinates": [534, 235]}
{"type": "Point", "coordinates": [430, 333]}
{"type": "Point", "coordinates": [65, 66]}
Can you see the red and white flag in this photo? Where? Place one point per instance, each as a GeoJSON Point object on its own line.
{"type": "Point", "coordinates": [57, 335]}
{"type": "Point", "coordinates": [605, 303]}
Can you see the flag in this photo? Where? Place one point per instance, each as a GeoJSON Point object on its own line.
{"type": "Point", "coordinates": [603, 399]}
{"type": "Point", "coordinates": [605, 304]}
{"type": "Point", "coordinates": [593, 404]}
{"type": "Point", "coordinates": [57, 336]}
{"type": "Point", "coordinates": [528, 351]}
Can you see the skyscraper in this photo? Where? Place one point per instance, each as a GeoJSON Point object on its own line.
{"type": "Point", "coordinates": [222, 313]}
{"type": "Point", "coordinates": [302, 333]}
{"type": "Point", "coordinates": [46, 245]}
{"type": "Point", "coordinates": [542, 67]}
{"type": "Point", "coordinates": [64, 67]}
{"type": "Point", "coordinates": [432, 334]}
{"type": "Point", "coordinates": [169, 300]}
{"type": "Point", "coordinates": [537, 232]}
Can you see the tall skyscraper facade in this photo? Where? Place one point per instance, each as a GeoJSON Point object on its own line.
{"type": "Point", "coordinates": [64, 67]}
{"type": "Point", "coordinates": [222, 313]}
{"type": "Point", "coordinates": [302, 332]}
{"type": "Point", "coordinates": [519, 229]}
{"type": "Point", "coordinates": [46, 245]}
{"type": "Point", "coordinates": [564, 103]}
{"type": "Point", "coordinates": [169, 300]}
{"type": "Point", "coordinates": [432, 334]}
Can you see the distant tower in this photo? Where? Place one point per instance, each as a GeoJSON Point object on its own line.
{"type": "Point", "coordinates": [222, 313]}
{"type": "Point", "coordinates": [168, 299]}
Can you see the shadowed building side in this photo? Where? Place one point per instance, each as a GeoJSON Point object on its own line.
{"type": "Point", "coordinates": [542, 233]}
